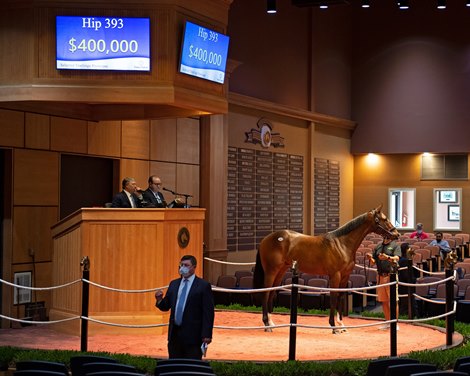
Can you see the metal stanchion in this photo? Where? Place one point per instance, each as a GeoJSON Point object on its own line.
{"type": "Point", "coordinates": [293, 313]}
{"type": "Point", "coordinates": [85, 300]}
{"type": "Point", "coordinates": [393, 314]}
{"type": "Point", "coordinates": [449, 305]}
{"type": "Point", "coordinates": [410, 298]}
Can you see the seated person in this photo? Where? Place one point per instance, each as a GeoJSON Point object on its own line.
{"type": "Point", "coordinates": [444, 247]}
{"type": "Point", "coordinates": [419, 233]}
{"type": "Point", "coordinates": [128, 197]}
{"type": "Point", "coordinates": [152, 196]}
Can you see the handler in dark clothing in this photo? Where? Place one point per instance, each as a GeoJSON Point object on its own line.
{"type": "Point", "coordinates": [386, 254]}
{"type": "Point", "coordinates": [404, 275]}
{"type": "Point", "coordinates": [192, 312]}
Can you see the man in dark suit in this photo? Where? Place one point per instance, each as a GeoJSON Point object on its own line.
{"type": "Point", "coordinates": [192, 312]}
{"type": "Point", "coordinates": [127, 197]}
{"type": "Point", "coordinates": [152, 195]}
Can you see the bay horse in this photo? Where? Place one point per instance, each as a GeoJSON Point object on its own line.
{"type": "Point", "coordinates": [331, 254]}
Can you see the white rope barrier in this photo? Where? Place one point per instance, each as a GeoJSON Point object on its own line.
{"type": "Point", "coordinates": [38, 288]}
{"type": "Point", "coordinates": [454, 310]}
{"type": "Point", "coordinates": [121, 290]}
{"type": "Point", "coordinates": [123, 325]}
{"type": "Point", "coordinates": [39, 322]}
{"type": "Point", "coordinates": [229, 263]}
{"type": "Point", "coordinates": [302, 289]}
{"type": "Point", "coordinates": [252, 327]}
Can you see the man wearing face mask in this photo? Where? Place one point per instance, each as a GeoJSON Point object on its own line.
{"type": "Point", "coordinates": [419, 233]}
{"type": "Point", "coordinates": [192, 312]}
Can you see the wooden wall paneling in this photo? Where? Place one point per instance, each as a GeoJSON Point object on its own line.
{"type": "Point", "coordinates": [104, 138]}
{"type": "Point", "coordinates": [187, 181]}
{"type": "Point", "coordinates": [11, 128]}
{"type": "Point", "coordinates": [66, 302]}
{"type": "Point", "coordinates": [163, 140]}
{"type": "Point", "coordinates": [135, 139]}
{"type": "Point", "coordinates": [134, 168]}
{"type": "Point", "coordinates": [167, 173]}
{"type": "Point", "coordinates": [69, 135]}
{"type": "Point", "coordinates": [43, 279]}
{"type": "Point", "coordinates": [187, 149]}
{"type": "Point", "coordinates": [32, 230]}
{"type": "Point", "coordinates": [136, 253]}
{"type": "Point", "coordinates": [37, 131]}
{"type": "Point", "coordinates": [213, 183]}
{"type": "Point", "coordinates": [36, 177]}
{"type": "Point", "coordinates": [17, 29]}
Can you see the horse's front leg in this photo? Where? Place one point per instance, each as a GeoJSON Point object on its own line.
{"type": "Point", "coordinates": [339, 311]}
{"type": "Point", "coordinates": [333, 306]}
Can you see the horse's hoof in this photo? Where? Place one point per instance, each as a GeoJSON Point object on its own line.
{"type": "Point", "coordinates": [344, 330]}
{"type": "Point", "coordinates": [268, 330]}
{"type": "Point", "coordinates": [336, 331]}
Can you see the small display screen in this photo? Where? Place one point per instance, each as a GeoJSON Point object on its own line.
{"type": "Point", "coordinates": [103, 43]}
{"type": "Point", "coordinates": [204, 53]}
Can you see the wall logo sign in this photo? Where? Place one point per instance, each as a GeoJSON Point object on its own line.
{"type": "Point", "coordinates": [264, 135]}
{"type": "Point", "coordinates": [183, 237]}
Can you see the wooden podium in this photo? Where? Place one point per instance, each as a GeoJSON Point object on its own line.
{"type": "Point", "coordinates": [128, 249]}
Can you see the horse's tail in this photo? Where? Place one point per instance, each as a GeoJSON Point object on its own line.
{"type": "Point", "coordinates": [258, 275]}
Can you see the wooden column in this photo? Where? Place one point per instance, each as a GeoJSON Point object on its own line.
{"type": "Point", "coordinates": [214, 149]}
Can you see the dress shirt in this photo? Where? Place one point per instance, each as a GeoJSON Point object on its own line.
{"type": "Point", "coordinates": [131, 199]}
{"type": "Point", "coordinates": [190, 283]}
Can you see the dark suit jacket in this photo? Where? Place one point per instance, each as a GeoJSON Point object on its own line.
{"type": "Point", "coordinates": [198, 315]}
{"type": "Point", "coordinates": [122, 201]}
{"type": "Point", "coordinates": [152, 201]}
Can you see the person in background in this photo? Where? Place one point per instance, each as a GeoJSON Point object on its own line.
{"type": "Point", "coordinates": [153, 195]}
{"type": "Point", "coordinates": [192, 312]}
{"type": "Point", "coordinates": [444, 247]}
{"type": "Point", "coordinates": [419, 233]}
{"type": "Point", "coordinates": [129, 196]}
{"type": "Point", "coordinates": [386, 256]}
{"type": "Point", "coordinates": [404, 275]}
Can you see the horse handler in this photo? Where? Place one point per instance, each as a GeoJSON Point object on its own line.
{"type": "Point", "coordinates": [386, 255]}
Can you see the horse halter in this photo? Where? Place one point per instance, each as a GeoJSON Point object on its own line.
{"type": "Point", "coordinates": [381, 229]}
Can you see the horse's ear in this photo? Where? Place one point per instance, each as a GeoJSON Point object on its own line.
{"type": "Point", "coordinates": [379, 208]}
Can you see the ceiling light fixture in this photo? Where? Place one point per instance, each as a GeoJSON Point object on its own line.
{"type": "Point", "coordinates": [323, 5]}
{"type": "Point", "coordinates": [441, 4]}
{"type": "Point", "coordinates": [468, 3]}
{"type": "Point", "coordinates": [271, 7]}
{"type": "Point", "coordinates": [403, 4]}
{"type": "Point", "coordinates": [366, 3]}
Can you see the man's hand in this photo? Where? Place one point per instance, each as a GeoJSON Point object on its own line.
{"type": "Point", "coordinates": [159, 296]}
{"type": "Point", "coordinates": [207, 340]}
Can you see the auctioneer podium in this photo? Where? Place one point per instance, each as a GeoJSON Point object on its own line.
{"type": "Point", "coordinates": [128, 249]}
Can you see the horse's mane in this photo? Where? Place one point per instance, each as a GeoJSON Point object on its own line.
{"type": "Point", "coordinates": [348, 227]}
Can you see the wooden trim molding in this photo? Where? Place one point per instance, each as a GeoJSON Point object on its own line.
{"type": "Point", "coordinates": [279, 109]}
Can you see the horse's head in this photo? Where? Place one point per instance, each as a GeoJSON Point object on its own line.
{"type": "Point", "coordinates": [382, 225]}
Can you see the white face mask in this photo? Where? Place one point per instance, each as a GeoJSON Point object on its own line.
{"type": "Point", "coordinates": [184, 270]}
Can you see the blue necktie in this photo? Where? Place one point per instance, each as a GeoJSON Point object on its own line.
{"type": "Point", "coordinates": [180, 305]}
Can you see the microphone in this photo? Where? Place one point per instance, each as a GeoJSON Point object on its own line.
{"type": "Point", "coordinates": [168, 190]}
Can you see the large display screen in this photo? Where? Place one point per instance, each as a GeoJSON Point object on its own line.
{"type": "Point", "coordinates": [103, 43]}
{"type": "Point", "coordinates": [204, 53]}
